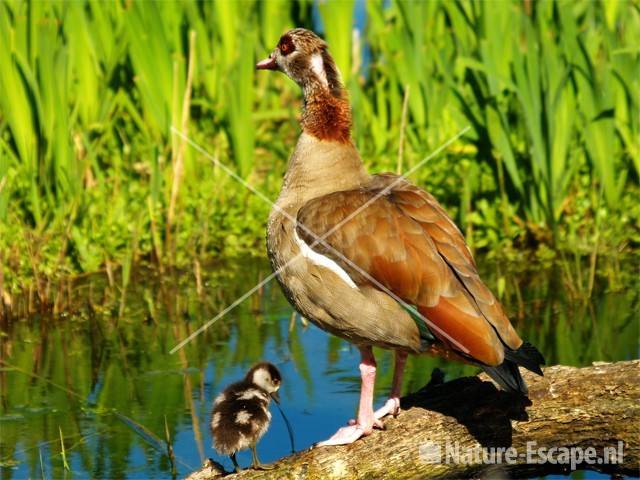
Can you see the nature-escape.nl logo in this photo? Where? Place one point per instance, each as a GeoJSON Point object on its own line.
{"type": "Point", "coordinates": [454, 453]}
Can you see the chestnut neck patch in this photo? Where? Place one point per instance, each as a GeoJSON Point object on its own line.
{"type": "Point", "coordinates": [327, 113]}
{"type": "Point", "coordinates": [326, 116]}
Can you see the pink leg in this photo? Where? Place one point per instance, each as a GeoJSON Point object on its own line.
{"type": "Point", "coordinates": [364, 425]}
{"type": "Point", "coordinates": [393, 403]}
{"type": "Point", "coordinates": [392, 406]}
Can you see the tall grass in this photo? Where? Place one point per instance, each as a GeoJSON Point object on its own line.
{"type": "Point", "coordinates": [545, 94]}
{"type": "Point", "coordinates": [549, 88]}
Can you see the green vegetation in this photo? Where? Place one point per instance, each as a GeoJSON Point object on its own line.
{"type": "Point", "coordinates": [96, 175]}
{"type": "Point", "coordinates": [92, 175]}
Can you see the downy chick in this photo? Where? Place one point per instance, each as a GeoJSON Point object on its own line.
{"type": "Point", "coordinates": [241, 416]}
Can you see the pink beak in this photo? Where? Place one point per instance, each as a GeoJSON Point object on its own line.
{"type": "Point", "coordinates": [267, 64]}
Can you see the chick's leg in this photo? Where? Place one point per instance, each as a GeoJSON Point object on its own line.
{"type": "Point", "coordinates": [256, 462]}
{"type": "Point", "coordinates": [235, 462]}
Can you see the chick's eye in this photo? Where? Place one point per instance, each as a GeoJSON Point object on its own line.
{"type": "Point", "coordinates": [284, 48]}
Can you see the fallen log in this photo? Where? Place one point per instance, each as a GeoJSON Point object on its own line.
{"type": "Point", "coordinates": [467, 428]}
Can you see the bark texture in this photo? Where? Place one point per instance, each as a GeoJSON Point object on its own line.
{"type": "Point", "coordinates": [596, 406]}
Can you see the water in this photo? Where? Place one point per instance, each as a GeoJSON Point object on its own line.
{"type": "Point", "coordinates": [106, 383]}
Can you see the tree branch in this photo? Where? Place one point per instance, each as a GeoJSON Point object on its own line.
{"type": "Point", "coordinates": [596, 406]}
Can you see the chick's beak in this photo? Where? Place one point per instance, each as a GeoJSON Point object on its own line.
{"type": "Point", "coordinates": [276, 397]}
{"type": "Point", "coordinates": [267, 64]}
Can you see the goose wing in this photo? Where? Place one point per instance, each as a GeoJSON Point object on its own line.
{"type": "Point", "coordinates": [393, 236]}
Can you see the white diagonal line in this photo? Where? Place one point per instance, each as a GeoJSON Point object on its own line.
{"type": "Point", "coordinates": [318, 240]}
{"type": "Point", "coordinates": [218, 163]}
{"type": "Point", "coordinates": [224, 312]}
{"type": "Point", "coordinates": [388, 188]}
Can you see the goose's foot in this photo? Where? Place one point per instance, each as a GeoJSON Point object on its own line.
{"type": "Point", "coordinates": [376, 423]}
{"type": "Point", "coordinates": [345, 436]}
{"type": "Point", "coordinates": [391, 407]}
{"type": "Point", "coordinates": [366, 420]}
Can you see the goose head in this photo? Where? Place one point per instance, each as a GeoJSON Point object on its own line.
{"type": "Point", "coordinates": [303, 56]}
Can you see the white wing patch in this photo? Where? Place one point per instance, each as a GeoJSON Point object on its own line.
{"type": "Point", "coordinates": [317, 65]}
{"type": "Point", "coordinates": [321, 260]}
{"type": "Point", "coordinates": [243, 417]}
{"type": "Point", "coordinates": [216, 420]}
{"type": "Point", "coordinates": [252, 393]}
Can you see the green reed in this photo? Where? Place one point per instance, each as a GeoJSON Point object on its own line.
{"type": "Point", "coordinates": [96, 87]}
{"type": "Point", "coordinates": [545, 95]}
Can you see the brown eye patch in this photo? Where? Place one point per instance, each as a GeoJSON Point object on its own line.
{"type": "Point", "coordinates": [286, 45]}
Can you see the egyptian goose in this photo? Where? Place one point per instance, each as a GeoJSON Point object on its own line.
{"type": "Point", "coordinates": [241, 416]}
{"type": "Point", "coordinates": [373, 258]}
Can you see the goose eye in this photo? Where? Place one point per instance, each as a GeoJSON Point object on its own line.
{"type": "Point", "coordinates": [286, 45]}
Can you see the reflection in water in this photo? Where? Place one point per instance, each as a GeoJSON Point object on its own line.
{"type": "Point", "coordinates": [104, 384]}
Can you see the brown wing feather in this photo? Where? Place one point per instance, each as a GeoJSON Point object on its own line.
{"type": "Point", "coordinates": [405, 241]}
{"type": "Point", "coordinates": [425, 209]}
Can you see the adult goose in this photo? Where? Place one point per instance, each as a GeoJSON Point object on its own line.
{"type": "Point", "coordinates": [373, 258]}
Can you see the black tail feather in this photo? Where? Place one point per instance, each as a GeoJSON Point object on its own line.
{"type": "Point", "coordinates": [507, 374]}
{"type": "Point", "coordinates": [508, 377]}
{"type": "Point", "coordinates": [527, 356]}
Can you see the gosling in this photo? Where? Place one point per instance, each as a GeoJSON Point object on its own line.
{"type": "Point", "coordinates": [241, 416]}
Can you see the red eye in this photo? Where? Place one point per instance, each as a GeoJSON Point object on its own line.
{"type": "Point", "coordinates": [286, 45]}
